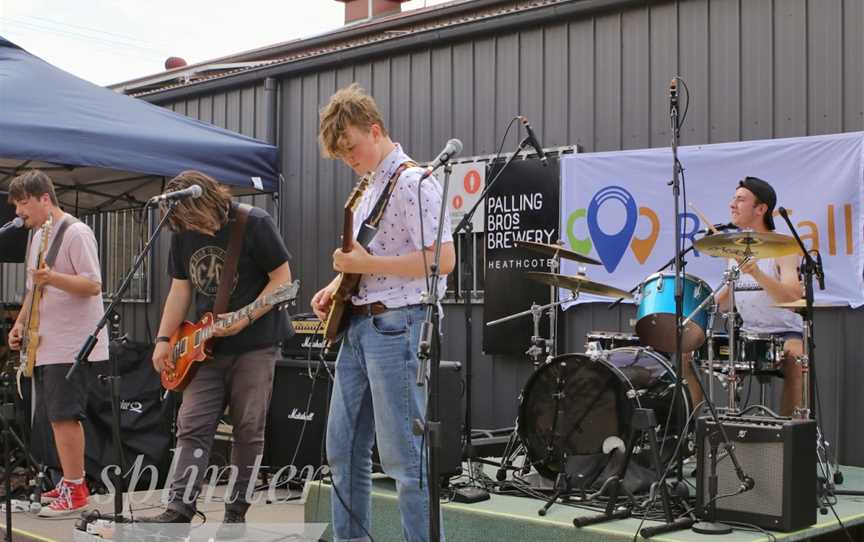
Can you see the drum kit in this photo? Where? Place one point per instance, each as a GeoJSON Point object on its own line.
{"type": "Point", "coordinates": [580, 405]}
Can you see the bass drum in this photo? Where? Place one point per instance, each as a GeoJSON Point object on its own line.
{"type": "Point", "coordinates": [596, 396]}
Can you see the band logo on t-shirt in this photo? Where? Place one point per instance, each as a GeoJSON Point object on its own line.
{"type": "Point", "coordinates": [205, 270]}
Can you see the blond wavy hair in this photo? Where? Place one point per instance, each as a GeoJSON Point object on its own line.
{"type": "Point", "coordinates": [350, 106]}
{"type": "Point", "coordinates": [206, 214]}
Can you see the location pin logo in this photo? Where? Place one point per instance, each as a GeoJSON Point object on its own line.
{"type": "Point", "coordinates": [611, 248]}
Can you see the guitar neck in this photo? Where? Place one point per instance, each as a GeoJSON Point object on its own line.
{"type": "Point", "coordinates": [236, 316]}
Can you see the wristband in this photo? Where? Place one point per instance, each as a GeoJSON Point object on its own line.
{"type": "Point", "coordinates": [162, 339]}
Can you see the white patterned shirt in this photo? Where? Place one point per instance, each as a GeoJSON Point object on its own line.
{"type": "Point", "coordinates": [399, 231]}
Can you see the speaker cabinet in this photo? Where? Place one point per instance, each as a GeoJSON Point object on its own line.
{"type": "Point", "coordinates": [780, 456]}
{"type": "Point", "coordinates": [298, 424]}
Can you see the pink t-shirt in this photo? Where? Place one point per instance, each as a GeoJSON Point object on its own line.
{"type": "Point", "coordinates": [66, 319]}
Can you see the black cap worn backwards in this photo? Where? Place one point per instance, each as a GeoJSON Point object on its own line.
{"type": "Point", "coordinates": [764, 194]}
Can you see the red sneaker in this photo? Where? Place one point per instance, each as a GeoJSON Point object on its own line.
{"type": "Point", "coordinates": [71, 499]}
{"type": "Point", "coordinates": [49, 496]}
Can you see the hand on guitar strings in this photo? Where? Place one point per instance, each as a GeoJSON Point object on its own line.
{"type": "Point", "coordinates": [41, 276]}
{"type": "Point", "coordinates": [321, 301]}
{"type": "Point", "coordinates": [15, 335]}
{"type": "Point", "coordinates": [233, 329]}
{"type": "Point", "coordinates": [355, 261]}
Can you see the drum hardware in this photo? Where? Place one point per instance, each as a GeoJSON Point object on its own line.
{"type": "Point", "coordinates": [539, 345]}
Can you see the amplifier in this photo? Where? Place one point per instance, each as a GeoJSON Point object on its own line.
{"type": "Point", "coordinates": [297, 421]}
{"type": "Point", "coordinates": [780, 456]}
{"type": "Point", "coordinates": [308, 340]}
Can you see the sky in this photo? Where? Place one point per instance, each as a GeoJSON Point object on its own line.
{"type": "Point", "coordinates": [111, 41]}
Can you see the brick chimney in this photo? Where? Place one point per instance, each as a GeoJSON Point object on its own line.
{"type": "Point", "coordinates": [361, 10]}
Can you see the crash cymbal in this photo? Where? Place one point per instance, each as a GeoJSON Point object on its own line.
{"type": "Point", "coordinates": [801, 304]}
{"type": "Point", "coordinates": [553, 250]}
{"type": "Point", "coordinates": [747, 243]}
{"type": "Point", "coordinates": [578, 282]}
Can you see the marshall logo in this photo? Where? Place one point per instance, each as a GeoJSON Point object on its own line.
{"type": "Point", "coordinates": [300, 415]}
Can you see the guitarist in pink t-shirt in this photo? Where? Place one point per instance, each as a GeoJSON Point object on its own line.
{"type": "Point", "coordinates": [65, 298]}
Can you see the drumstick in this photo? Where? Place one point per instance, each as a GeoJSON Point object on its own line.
{"type": "Point", "coordinates": [703, 218]}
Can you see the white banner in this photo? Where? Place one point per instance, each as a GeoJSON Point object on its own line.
{"type": "Point", "coordinates": [617, 206]}
{"type": "Point", "coordinates": [466, 184]}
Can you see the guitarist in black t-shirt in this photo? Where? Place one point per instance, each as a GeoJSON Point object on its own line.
{"type": "Point", "coordinates": [240, 372]}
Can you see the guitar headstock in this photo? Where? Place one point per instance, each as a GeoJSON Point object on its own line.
{"type": "Point", "coordinates": [357, 192]}
{"type": "Point", "coordinates": [284, 293]}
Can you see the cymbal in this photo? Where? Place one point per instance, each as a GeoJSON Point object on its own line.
{"type": "Point", "coordinates": [801, 304]}
{"type": "Point", "coordinates": [747, 243]}
{"type": "Point", "coordinates": [578, 282]}
{"type": "Point", "coordinates": [556, 250]}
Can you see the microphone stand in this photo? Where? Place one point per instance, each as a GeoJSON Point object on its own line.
{"type": "Point", "coordinates": [678, 258]}
{"type": "Point", "coordinates": [810, 268]}
{"type": "Point", "coordinates": [429, 353]}
{"type": "Point", "coordinates": [114, 379]}
{"type": "Point", "coordinates": [466, 226]}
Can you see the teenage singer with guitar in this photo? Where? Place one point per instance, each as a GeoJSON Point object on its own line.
{"type": "Point", "coordinates": [62, 305]}
{"type": "Point", "coordinates": [375, 393]}
{"type": "Point", "coordinates": [210, 237]}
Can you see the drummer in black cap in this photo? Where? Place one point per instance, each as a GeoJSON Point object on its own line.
{"type": "Point", "coordinates": [764, 283]}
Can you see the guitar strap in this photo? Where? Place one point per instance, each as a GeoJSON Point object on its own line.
{"type": "Point", "coordinates": [67, 221]}
{"type": "Point", "coordinates": [235, 244]}
{"type": "Point", "coordinates": [370, 226]}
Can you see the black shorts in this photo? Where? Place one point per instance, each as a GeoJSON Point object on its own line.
{"type": "Point", "coordinates": [64, 400]}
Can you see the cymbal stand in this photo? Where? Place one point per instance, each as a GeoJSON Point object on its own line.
{"type": "Point", "coordinates": [730, 276]}
{"type": "Point", "coordinates": [538, 343]}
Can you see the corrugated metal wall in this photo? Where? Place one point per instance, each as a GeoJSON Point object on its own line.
{"type": "Point", "coordinates": [755, 68]}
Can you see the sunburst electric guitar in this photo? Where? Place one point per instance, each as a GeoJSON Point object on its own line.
{"type": "Point", "coordinates": [346, 283]}
{"type": "Point", "coordinates": [192, 343]}
{"type": "Point", "coordinates": [30, 340]}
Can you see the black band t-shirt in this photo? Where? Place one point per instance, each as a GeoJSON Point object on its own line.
{"type": "Point", "coordinates": [199, 258]}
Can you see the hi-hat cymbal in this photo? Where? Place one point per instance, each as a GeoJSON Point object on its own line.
{"type": "Point", "coordinates": [747, 243]}
{"type": "Point", "coordinates": [556, 250]}
{"type": "Point", "coordinates": [578, 282]}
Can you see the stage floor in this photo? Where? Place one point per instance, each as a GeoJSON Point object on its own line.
{"type": "Point", "coordinates": [504, 518]}
{"type": "Point", "coordinates": [28, 527]}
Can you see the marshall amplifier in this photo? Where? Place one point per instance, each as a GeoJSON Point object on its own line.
{"type": "Point", "coordinates": [308, 340]}
{"type": "Point", "coordinates": [297, 424]}
{"type": "Point", "coordinates": [780, 456]}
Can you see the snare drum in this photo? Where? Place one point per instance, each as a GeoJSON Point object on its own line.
{"type": "Point", "coordinates": [763, 351]}
{"type": "Point", "coordinates": [599, 341]}
{"type": "Point", "coordinates": [719, 345]}
{"type": "Point", "coordinates": [655, 323]}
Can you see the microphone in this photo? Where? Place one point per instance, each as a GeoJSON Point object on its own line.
{"type": "Point", "coordinates": [820, 271]}
{"type": "Point", "coordinates": [719, 228]}
{"type": "Point", "coordinates": [532, 140]}
{"type": "Point", "coordinates": [451, 149]}
{"type": "Point", "coordinates": [13, 224]}
{"type": "Point", "coordinates": [193, 191]}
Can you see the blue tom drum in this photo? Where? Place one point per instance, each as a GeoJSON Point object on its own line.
{"type": "Point", "coordinates": [655, 319]}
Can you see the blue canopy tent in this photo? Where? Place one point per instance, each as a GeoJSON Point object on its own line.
{"type": "Point", "coordinates": [108, 151]}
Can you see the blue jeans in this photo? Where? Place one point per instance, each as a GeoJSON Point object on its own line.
{"type": "Point", "coordinates": [375, 393]}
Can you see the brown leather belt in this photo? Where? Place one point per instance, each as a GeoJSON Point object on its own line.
{"type": "Point", "coordinates": [370, 309]}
